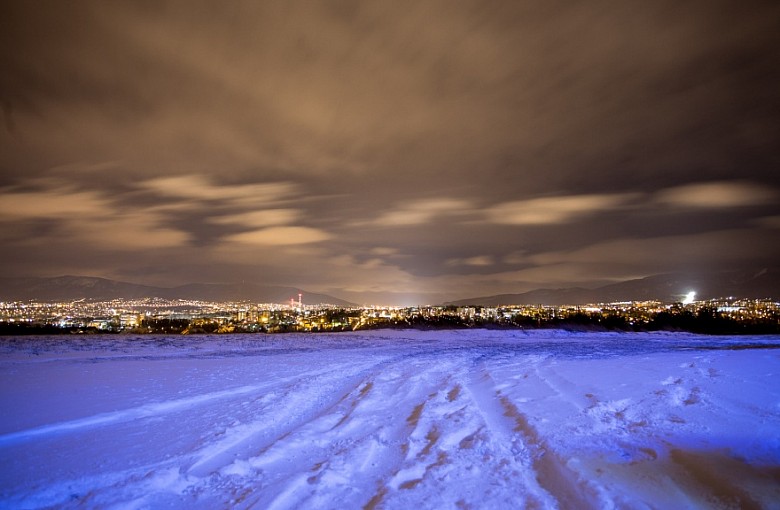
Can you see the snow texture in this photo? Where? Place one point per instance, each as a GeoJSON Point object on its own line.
{"type": "Point", "coordinates": [391, 419]}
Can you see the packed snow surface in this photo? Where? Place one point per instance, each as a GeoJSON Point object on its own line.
{"type": "Point", "coordinates": [391, 419]}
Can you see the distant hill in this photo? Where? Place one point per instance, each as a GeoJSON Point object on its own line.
{"type": "Point", "coordinates": [65, 288]}
{"type": "Point", "coordinates": [764, 283]}
{"type": "Point", "coordinates": [251, 292]}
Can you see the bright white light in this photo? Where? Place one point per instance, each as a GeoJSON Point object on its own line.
{"type": "Point", "coordinates": [689, 298]}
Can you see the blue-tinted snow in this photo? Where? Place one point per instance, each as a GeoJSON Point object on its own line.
{"type": "Point", "coordinates": [390, 419]}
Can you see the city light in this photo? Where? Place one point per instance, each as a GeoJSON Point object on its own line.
{"type": "Point", "coordinates": [156, 315]}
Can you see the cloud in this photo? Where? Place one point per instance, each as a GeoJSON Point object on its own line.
{"type": "Point", "coordinates": [477, 261]}
{"type": "Point", "coordinates": [223, 121]}
{"type": "Point", "coordinates": [772, 222]}
{"type": "Point", "coordinates": [271, 227]}
{"type": "Point", "coordinates": [616, 260]}
{"type": "Point", "coordinates": [262, 218]}
{"type": "Point", "coordinates": [420, 212]}
{"type": "Point", "coordinates": [555, 210]}
{"type": "Point", "coordinates": [134, 231]}
{"type": "Point", "coordinates": [53, 203]}
{"type": "Point", "coordinates": [516, 257]}
{"type": "Point", "coordinates": [280, 236]}
{"type": "Point", "coordinates": [199, 187]}
{"type": "Point", "coordinates": [90, 218]}
{"type": "Point", "coordinates": [715, 195]}
{"type": "Point", "coordinates": [660, 253]}
{"type": "Point", "coordinates": [384, 251]}
{"type": "Point", "coordinates": [373, 277]}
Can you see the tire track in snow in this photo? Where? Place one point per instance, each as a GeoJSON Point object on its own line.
{"type": "Point", "coordinates": [148, 410]}
{"type": "Point", "coordinates": [134, 413]}
{"type": "Point", "coordinates": [363, 441]}
{"type": "Point", "coordinates": [343, 427]}
{"type": "Point", "coordinates": [300, 402]}
{"type": "Point", "coordinates": [396, 473]}
{"type": "Point", "coordinates": [545, 474]}
{"type": "Point", "coordinates": [450, 457]}
{"type": "Point", "coordinates": [511, 447]}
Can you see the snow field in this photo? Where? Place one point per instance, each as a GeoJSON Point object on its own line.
{"type": "Point", "coordinates": [391, 419]}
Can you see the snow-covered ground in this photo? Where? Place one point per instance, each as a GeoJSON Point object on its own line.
{"type": "Point", "coordinates": [391, 419]}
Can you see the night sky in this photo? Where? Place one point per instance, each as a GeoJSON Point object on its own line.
{"type": "Point", "coordinates": [390, 152]}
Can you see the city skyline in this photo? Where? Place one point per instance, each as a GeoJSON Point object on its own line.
{"type": "Point", "coordinates": [387, 152]}
{"type": "Point", "coordinates": [182, 316]}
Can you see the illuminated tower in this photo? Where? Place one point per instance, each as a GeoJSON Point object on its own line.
{"type": "Point", "coordinates": [300, 302]}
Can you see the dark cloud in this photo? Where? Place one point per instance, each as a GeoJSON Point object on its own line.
{"type": "Point", "coordinates": [388, 148]}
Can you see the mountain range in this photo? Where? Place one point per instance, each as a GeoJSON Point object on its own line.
{"type": "Point", "coordinates": [763, 283]}
{"type": "Point", "coordinates": [65, 288]}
